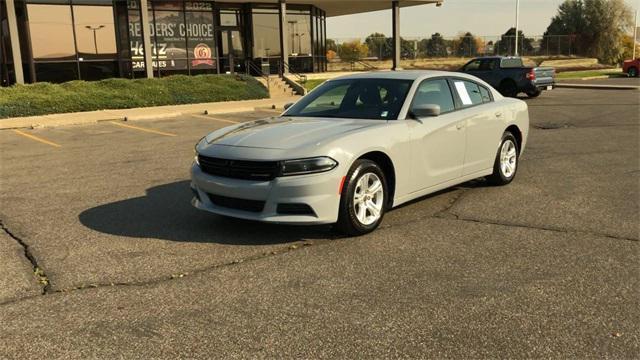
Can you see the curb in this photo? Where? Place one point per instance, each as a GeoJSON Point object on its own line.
{"type": "Point", "coordinates": [596, 87]}
{"type": "Point", "coordinates": [138, 114]}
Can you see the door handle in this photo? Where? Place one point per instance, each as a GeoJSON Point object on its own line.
{"type": "Point", "coordinates": [499, 114]}
{"type": "Point", "coordinates": [460, 125]}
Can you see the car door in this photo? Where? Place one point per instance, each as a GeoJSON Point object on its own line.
{"type": "Point", "coordinates": [437, 142]}
{"type": "Point", "coordinates": [483, 124]}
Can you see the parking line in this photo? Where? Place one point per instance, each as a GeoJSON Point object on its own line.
{"type": "Point", "coordinates": [36, 138]}
{"type": "Point", "coordinates": [143, 129]}
{"type": "Point", "coordinates": [216, 119]}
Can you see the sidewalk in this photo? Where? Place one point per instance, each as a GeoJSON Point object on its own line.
{"type": "Point", "coordinates": [158, 112]}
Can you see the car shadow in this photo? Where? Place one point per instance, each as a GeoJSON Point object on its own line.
{"type": "Point", "coordinates": [165, 212]}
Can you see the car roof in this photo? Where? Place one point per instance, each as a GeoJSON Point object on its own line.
{"type": "Point", "coordinates": [401, 75]}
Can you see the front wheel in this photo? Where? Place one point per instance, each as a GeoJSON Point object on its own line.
{"type": "Point", "coordinates": [632, 72]}
{"type": "Point", "coordinates": [508, 88]}
{"type": "Point", "coordinates": [506, 162]}
{"type": "Point", "coordinates": [363, 200]}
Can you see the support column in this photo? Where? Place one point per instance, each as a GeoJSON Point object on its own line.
{"type": "Point", "coordinates": [284, 33]}
{"type": "Point", "coordinates": [146, 38]}
{"type": "Point", "coordinates": [15, 41]}
{"type": "Point", "coordinates": [395, 21]}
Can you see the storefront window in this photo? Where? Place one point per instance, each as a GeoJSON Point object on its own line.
{"type": "Point", "coordinates": [51, 30]}
{"type": "Point", "coordinates": [95, 32]}
{"type": "Point", "coordinates": [229, 18]}
{"type": "Point", "coordinates": [201, 43]}
{"type": "Point", "coordinates": [299, 23]}
{"type": "Point", "coordinates": [266, 33]}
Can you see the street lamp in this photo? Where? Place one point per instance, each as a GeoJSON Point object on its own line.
{"type": "Point", "coordinates": [294, 25]}
{"type": "Point", "coordinates": [95, 39]}
{"type": "Point", "coordinates": [517, 19]}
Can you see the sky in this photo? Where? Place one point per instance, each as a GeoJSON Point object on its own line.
{"type": "Point", "coordinates": [480, 17]}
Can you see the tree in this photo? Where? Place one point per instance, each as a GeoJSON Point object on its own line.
{"type": "Point", "coordinates": [352, 51]}
{"type": "Point", "coordinates": [507, 43]}
{"type": "Point", "coordinates": [466, 45]}
{"type": "Point", "coordinates": [378, 45]}
{"type": "Point", "coordinates": [331, 55]}
{"type": "Point", "coordinates": [331, 45]}
{"type": "Point", "coordinates": [433, 47]}
{"type": "Point", "coordinates": [590, 28]}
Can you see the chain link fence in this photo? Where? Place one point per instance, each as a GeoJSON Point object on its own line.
{"type": "Point", "coordinates": [380, 48]}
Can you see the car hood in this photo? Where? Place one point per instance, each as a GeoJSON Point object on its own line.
{"type": "Point", "coordinates": [286, 132]}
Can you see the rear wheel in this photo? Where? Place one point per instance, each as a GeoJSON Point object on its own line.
{"type": "Point", "coordinates": [534, 93]}
{"type": "Point", "coordinates": [632, 72]}
{"type": "Point", "coordinates": [509, 88]}
{"type": "Point", "coordinates": [506, 162]}
{"type": "Point", "coordinates": [363, 201]}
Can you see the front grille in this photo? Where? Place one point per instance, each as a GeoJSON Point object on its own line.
{"type": "Point", "coordinates": [237, 204]}
{"type": "Point", "coordinates": [294, 209]}
{"type": "Point", "coordinates": [240, 169]}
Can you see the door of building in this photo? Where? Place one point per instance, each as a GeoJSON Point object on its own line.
{"type": "Point", "coordinates": [232, 57]}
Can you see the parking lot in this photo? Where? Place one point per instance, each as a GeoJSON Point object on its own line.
{"type": "Point", "coordinates": [545, 267]}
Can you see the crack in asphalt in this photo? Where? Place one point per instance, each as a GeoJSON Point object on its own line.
{"type": "Point", "coordinates": [37, 270]}
{"type": "Point", "coordinates": [163, 279]}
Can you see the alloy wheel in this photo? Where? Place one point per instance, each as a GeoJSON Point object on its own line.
{"type": "Point", "coordinates": [368, 199]}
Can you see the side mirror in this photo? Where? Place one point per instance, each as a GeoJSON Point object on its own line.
{"type": "Point", "coordinates": [288, 105]}
{"type": "Point", "coordinates": [426, 110]}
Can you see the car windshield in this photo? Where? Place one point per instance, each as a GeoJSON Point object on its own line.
{"type": "Point", "coordinates": [377, 99]}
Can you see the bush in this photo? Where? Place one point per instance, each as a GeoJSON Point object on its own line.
{"type": "Point", "coordinates": [73, 96]}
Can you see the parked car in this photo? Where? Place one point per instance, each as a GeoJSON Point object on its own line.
{"type": "Point", "coordinates": [630, 67]}
{"type": "Point", "coordinates": [510, 76]}
{"type": "Point", "coordinates": [359, 145]}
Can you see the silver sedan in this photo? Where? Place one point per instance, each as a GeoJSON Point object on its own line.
{"type": "Point", "coordinates": [359, 145]}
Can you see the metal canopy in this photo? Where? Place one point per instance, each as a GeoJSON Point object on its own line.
{"type": "Point", "coordinates": [346, 7]}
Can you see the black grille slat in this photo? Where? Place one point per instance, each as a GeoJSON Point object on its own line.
{"type": "Point", "coordinates": [239, 169]}
{"type": "Point", "coordinates": [237, 204]}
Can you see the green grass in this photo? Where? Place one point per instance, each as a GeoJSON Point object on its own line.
{"type": "Point", "coordinates": [74, 96]}
{"type": "Point", "coordinates": [313, 83]}
{"type": "Point", "coordinates": [588, 73]}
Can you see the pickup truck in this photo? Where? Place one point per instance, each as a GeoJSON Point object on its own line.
{"type": "Point", "coordinates": [630, 67]}
{"type": "Point", "coordinates": [509, 75]}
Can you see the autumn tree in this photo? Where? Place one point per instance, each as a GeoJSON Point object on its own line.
{"type": "Point", "coordinates": [352, 51]}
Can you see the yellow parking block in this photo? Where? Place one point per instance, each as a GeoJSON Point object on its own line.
{"type": "Point", "coordinates": [142, 129]}
{"type": "Point", "coordinates": [36, 138]}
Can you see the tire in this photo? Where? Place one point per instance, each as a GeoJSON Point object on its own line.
{"type": "Point", "coordinates": [508, 152]}
{"type": "Point", "coordinates": [508, 88]}
{"type": "Point", "coordinates": [534, 93]}
{"type": "Point", "coordinates": [632, 72]}
{"type": "Point", "coordinates": [351, 220]}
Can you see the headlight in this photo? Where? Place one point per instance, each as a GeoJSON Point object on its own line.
{"type": "Point", "coordinates": [308, 166]}
{"type": "Point", "coordinates": [195, 152]}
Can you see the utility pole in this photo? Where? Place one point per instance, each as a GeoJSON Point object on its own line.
{"type": "Point", "coordinates": [517, 20]}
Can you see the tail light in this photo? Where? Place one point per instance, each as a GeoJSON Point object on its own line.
{"type": "Point", "coordinates": [531, 75]}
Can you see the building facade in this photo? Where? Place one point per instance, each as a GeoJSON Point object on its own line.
{"type": "Point", "coordinates": [63, 40]}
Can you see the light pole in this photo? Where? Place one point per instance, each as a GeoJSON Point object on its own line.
{"type": "Point", "coordinates": [517, 20]}
{"type": "Point", "coordinates": [95, 38]}
{"type": "Point", "coordinates": [635, 35]}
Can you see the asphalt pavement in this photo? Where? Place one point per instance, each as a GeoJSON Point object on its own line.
{"type": "Point", "coordinates": [544, 267]}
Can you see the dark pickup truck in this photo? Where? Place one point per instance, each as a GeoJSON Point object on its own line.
{"type": "Point", "coordinates": [509, 75]}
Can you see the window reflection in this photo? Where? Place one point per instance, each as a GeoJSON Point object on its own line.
{"type": "Point", "coordinates": [51, 31]}
{"type": "Point", "coordinates": [266, 33]}
{"type": "Point", "coordinates": [95, 32]}
{"type": "Point", "coordinates": [299, 30]}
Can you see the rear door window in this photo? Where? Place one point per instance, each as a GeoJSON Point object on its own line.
{"type": "Point", "coordinates": [468, 92]}
{"type": "Point", "coordinates": [486, 95]}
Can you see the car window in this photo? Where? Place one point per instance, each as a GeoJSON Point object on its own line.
{"type": "Point", "coordinates": [331, 100]}
{"type": "Point", "coordinates": [473, 65]}
{"type": "Point", "coordinates": [488, 64]}
{"type": "Point", "coordinates": [379, 99]}
{"type": "Point", "coordinates": [435, 92]}
{"type": "Point", "coordinates": [486, 95]}
{"type": "Point", "coordinates": [469, 92]}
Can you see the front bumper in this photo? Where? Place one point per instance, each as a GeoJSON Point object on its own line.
{"type": "Point", "coordinates": [319, 191]}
